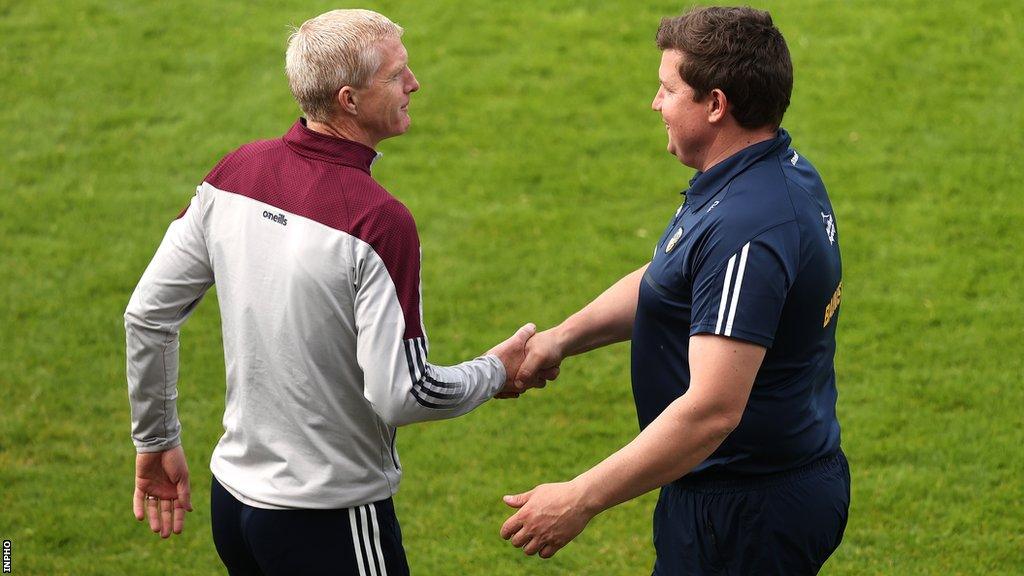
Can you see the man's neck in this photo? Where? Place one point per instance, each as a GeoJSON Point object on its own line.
{"type": "Point", "coordinates": [343, 130]}
{"type": "Point", "coordinates": [730, 142]}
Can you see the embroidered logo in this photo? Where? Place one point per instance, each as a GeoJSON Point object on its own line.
{"type": "Point", "coordinates": [674, 240]}
{"type": "Point", "coordinates": [279, 218]}
{"type": "Point", "coordinates": [795, 158]}
{"type": "Point", "coordinates": [830, 227]}
{"type": "Point", "coordinates": [713, 204]}
{"type": "Point", "coordinates": [833, 304]}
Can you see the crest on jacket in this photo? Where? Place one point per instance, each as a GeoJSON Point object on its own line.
{"type": "Point", "coordinates": [674, 240]}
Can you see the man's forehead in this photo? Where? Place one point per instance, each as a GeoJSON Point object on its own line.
{"type": "Point", "coordinates": [671, 57]}
{"type": "Point", "coordinates": [395, 56]}
{"type": "Point", "coordinates": [670, 60]}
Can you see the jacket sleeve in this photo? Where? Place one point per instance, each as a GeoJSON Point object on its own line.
{"type": "Point", "coordinates": [392, 348]}
{"type": "Point", "coordinates": [169, 290]}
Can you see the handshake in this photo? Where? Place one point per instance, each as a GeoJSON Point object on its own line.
{"type": "Point", "coordinates": [531, 359]}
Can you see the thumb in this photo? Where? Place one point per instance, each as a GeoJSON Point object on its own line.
{"type": "Point", "coordinates": [518, 500]}
{"type": "Point", "coordinates": [516, 343]}
{"type": "Point", "coordinates": [519, 340]}
{"type": "Point", "coordinates": [525, 333]}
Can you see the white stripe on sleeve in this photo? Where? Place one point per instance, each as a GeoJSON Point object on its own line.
{"type": "Point", "coordinates": [725, 294]}
{"type": "Point", "coordinates": [736, 290]}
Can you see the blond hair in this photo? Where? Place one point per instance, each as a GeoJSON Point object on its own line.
{"type": "Point", "coordinates": [333, 50]}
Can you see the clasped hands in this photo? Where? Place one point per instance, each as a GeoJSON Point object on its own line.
{"type": "Point", "coordinates": [550, 515]}
{"type": "Point", "coordinates": [531, 359]}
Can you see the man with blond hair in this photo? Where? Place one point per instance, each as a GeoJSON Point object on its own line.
{"type": "Point", "coordinates": [317, 270]}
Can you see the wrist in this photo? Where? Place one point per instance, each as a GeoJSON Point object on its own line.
{"type": "Point", "coordinates": [590, 498]}
{"type": "Point", "coordinates": [499, 363]}
{"type": "Point", "coordinates": [157, 448]}
{"type": "Point", "coordinates": [564, 336]}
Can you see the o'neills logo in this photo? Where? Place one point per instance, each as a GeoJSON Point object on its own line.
{"type": "Point", "coordinates": [279, 218]}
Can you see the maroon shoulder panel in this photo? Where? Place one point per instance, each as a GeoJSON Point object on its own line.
{"type": "Point", "coordinates": [295, 175]}
{"type": "Point", "coordinates": [390, 229]}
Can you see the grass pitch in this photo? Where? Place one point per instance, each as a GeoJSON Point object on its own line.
{"type": "Point", "coordinates": [538, 176]}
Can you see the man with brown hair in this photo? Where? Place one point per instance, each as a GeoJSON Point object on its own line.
{"type": "Point", "coordinates": [732, 325]}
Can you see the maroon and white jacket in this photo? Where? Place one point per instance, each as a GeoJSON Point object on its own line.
{"type": "Point", "coordinates": [317, 270]}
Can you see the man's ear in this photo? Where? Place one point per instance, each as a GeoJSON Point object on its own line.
{"type": "Point", "coordinates": [346, 99]}
{"type": "Point", "coordinates": [718, 106]}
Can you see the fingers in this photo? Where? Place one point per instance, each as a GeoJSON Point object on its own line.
{"type": "Point", "coordinates": [162, 491]}
{"type": "Point", "coordinates": [532, 544]}
{"type": "Point", "coordinates": [532, 547]}
{"type": "Point", "coordinates": [526, 370]}
{"type": "Point", "coordinates": [534, 378]}
{"type": "Point", "coordinates": [166, 518]}
{"type": "Point", "coordinates": [137, 507]}
{"type": "Point", "coordinates": [514, 525]}
{"type": "Point", "coordinates": [511, 526]}
{"type": "Point", "coordinates": [530, 364]}
{"type": "Point", "coordinates": [548, 374]}
{"type": "Point", "coordinates": [531, 375]}
{"type": "Point", "coordinates": [179, 517]}
{"type": "Point", "coordinates": [521, 538]}
{"type": "Point", "coordinates": [153, 514]}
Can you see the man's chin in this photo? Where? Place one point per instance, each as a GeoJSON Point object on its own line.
{"type": "Point", "coordinates": [675, 152]}
{"type": "Point", "coordinates": [400, 128]}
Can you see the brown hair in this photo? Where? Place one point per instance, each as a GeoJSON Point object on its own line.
{"type": "Point", "coordinates": [740, 52]}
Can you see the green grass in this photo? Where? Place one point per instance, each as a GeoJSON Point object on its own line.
{"type": "Point", "coordinates": [538, 176]}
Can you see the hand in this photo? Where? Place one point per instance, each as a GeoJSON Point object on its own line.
{"type": "Point", "coordinates": [511, 353]}
{"type": "Point", "coordinates": [549, 517]}
{"type": "Point", "coordinates": [544, 356]}
{"type": "Point", "coordinates": [162, 490]}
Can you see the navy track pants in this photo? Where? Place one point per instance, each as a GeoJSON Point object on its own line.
{"type": "Point", "coordinates": [360, 541]}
